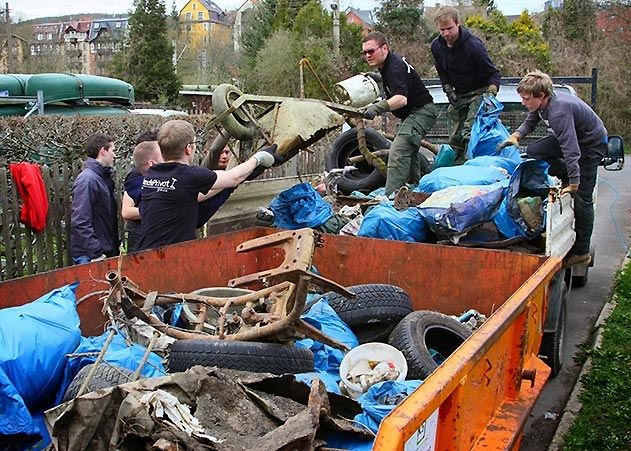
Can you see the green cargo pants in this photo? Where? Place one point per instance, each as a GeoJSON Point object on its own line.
{"type": "Point", "coordinates": [403, 162]}
{"type": "Point", "coordinates": [460, 117]}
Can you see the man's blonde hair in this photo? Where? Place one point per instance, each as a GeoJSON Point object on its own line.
{"type": "Point", "coordinates": [173, 138]}
{"type": "Point", "coordinates": [443, 14]}
{"type": "Point", "coordinates": [143, 152]}
{"type": "Point", "coordinates": [535, 83]}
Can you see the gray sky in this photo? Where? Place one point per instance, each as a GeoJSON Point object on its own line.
{"type": "Point", "coordinates": [30, 9]}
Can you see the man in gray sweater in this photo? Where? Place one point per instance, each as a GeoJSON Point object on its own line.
{"type": "Point", "coordinates": [574, 150]}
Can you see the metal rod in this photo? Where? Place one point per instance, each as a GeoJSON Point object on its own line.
{"type": "Point", "coordinates": [99, 359]}
{"type": "Point", "coordinates": [141, 365]}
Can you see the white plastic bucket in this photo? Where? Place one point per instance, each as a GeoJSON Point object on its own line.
{"type": "Point", "coordinates": [371, 351]}
{"type": "Point", "coordinates": [357, 91]}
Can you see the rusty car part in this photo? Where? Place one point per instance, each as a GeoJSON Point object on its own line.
{"type": "Point", "coordinates": [405, 198]}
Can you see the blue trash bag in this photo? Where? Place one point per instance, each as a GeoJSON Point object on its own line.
{"type": "Point", "coordinates": [460, 175]}
{"type": "Point", "coordinates": [456, 210]}
{"type": "Point", "coordinates": [488, 161]}
{"type": "Point", "coordinates": [326, 358]}
{"type": "Point", "coordinates": [445, 157]}
{"type": "Point", "coordinates": [300, 206]}
{"type": "Point", "coordinates": [118, 354]}
{"type": "Point", "coordinates": [34, 340]}
{"type": "Point", "coordinates": [381, 399]}
{"type": "Point", "coordinates": [347, 441]}
{"type": "Point", "coordinates": [530, 178]}
{"type": "Point", "coordinates": [488, 132]}
{"type": "Point", "coordinates": [384, 221]}
{"type": "Point", "coordinates": [16, 422]}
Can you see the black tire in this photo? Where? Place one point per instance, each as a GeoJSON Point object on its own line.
{"type": "Point", "coordinates": [237, 124]}
{"type": "Point", "coordinates": [423, 330]}
{"type": "Point", "coordinates": [553, 343]}
{"type": "Point", "coordinates": [240, 355]}
{"type": "Point", "coordinates": [105, 376]}
{"type": "Point", "coordinates": [374, 312]}
{"type": "Point", "coordinates": [345, 146]}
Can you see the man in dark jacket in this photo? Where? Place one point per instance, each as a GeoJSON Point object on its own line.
{"type": "Point", "coordinates": [409, 100]}
{"type": "Point", "coordinates": [466, 72]}
{"type": "Point", "coordinates": [94, 219]}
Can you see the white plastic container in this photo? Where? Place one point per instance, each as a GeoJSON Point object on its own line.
{"type": "Point", "coordinates": [357, 91]}
{"type": "Point", "coordinates": [371, 351]}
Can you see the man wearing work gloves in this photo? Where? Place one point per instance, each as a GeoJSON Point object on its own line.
{"type": "Point", "coordinates": [171, 190]}
{"type": "Point", "coordinates": [466, 73]}
{"type": "Point", "coordinates": [574, 151]}
{"type": "Point", "coordinates": [409, 100]}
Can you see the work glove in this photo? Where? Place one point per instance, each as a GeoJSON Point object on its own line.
{"type": "Point", "coordinates": [375, 109]}
{"type": "Point", "coordinates": [266, 157]}
{"type": "Point", "coordinates": [450, 93]}
{"type": "Point", "coordinates": [99, 258]}
{"type": "Point", "coordinates": [491, 89]}
{"type": "Point", "coordinates": [512, 140]}
{"type": "Point", "coordinates": [375, 76]}
{"type": "Point", "coordinates": [572, 188]}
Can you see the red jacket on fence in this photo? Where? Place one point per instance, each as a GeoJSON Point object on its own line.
{"type": "Point", "coordinates": [30, 185]}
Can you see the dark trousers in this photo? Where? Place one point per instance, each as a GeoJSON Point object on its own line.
{"type": "Point", "coordinates": [548, 149]}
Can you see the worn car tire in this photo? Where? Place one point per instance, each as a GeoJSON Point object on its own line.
{"type": "Point", "coordinates": [552, 345]}
{"type": "Point", "coordinates": [240, 355]}
{"type": "Point", "coordinates": [366, 177]}
{"type": "Point", "coordinates": [423, 330]}
{"type": "Point", "coordinates": [237, 124]}
{"type": "Point", "coordinates": [374, 312]}
{"type": "Point", "coordinates": [105, 376]}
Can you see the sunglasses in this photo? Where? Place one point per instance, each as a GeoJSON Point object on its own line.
{"type": "Point", "coordinates": [370, 51]}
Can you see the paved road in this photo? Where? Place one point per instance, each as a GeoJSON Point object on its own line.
{"type": "Point", "coordinates": [585, 304]}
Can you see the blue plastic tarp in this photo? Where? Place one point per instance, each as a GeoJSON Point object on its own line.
{"type": "Point", "coordinates": [380, 399]}
{"type": "Point", "coordinates": [455, 210]}
{"type": "Point", "coordinates": [460, 175]}
{"type": "Point", "coordinates": [488, 132]}
{"type": "Point", "coordinates": [326, 358]}
{"type": "Point", "coordinates": [34, 339]}
{"type": "Point", "coordinates": [300, 206]}
{"type": "Point", "coordinates": [118, 353]}
{"type": "Point", "coordinates": [487, 161]}
{"type": "Point", "coordinates": [531, 178]}
{"type": "Point", "coordinates": [385, 222]}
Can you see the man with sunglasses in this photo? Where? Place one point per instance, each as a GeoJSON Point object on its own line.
{"type": "Point", "coordinates": [466, 72]}
{"type": "Point", "coordinates": [409, 100]}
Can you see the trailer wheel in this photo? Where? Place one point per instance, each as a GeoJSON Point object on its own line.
{"type": "Point", "coordinates": [237, 124]}
{"type": "Point", "coordinates": [553, 343]}
{"type": "Point", "coordinates": [426, 338]}
{"type": "Point", "coordinates": [105, 376]}
{"type": "Point", "coordinates": [240, 355]}
{"type": "Point", "coordinates": [374, 312]}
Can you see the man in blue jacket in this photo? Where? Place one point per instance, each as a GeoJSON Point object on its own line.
{"type": "Point", "coordinates": [465, 71]}
{"type": "Point", "coordinates": [94, 217]}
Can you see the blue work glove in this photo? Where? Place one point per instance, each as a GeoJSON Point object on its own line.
{"type": "Point", "coordinates": [374, 109]}
{"type": "Point", "coordinates": [266, 157]}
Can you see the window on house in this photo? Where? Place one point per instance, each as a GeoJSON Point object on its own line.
{"type": "Point", "coordinates": [189, 16]}
{"type": "Point", "coordinates": [32, 50]}
{"type": "Point", "coordinates": [200, 15]}
{"type": "Point", "coordinates": [40, 36]}
{"type": "Point", "coordinates": [96, 25]}
{"type": "Point", "coordinates": [205, 39]}
{"type": "Point", "coordinates": [50, 36]}
{"type": "Point", "coordinates": [188, 28]}
{"type": "Point", "coordinates": [194, 6]}
{"type": "Point", "coordinates": [118, 24]}
{"type": "Point", "coordinates": [206, 26]}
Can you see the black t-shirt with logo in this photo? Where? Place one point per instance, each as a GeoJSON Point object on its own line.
{"type": "Point", "coordinates": [168, 207]}
{"type": "Point", "coordinates": [399, 77]}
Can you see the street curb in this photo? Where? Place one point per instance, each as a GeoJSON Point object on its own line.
{"type": "Point", "coordinates": [573, 406]}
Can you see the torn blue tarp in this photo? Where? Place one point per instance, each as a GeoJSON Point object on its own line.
{"type": "Point", "coordinates": [381, 399]}
{"type": "Point", "coordinates": [300, 206]}
{"type": "Point", "coordinates": [34, 340]}
{"type": "Point", "coordinates": [385, 222]}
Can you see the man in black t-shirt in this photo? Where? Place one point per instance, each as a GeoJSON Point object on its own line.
{"type": "Point", "coordinates": [408, 99]}
{"type": "Point", "coordinates": [171, 190]}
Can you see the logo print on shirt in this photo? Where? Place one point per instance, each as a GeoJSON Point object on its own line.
{"type": "Point", "coordinates": [159, 185]}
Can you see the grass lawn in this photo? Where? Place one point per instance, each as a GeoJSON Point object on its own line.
{"type": "Point", "coordinates": [604, 422]}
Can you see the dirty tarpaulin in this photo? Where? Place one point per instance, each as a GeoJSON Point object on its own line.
{"type": "Point", "coordinates": [234, 410]}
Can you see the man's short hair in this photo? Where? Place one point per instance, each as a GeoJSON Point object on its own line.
{"type": "Point", "coordinates": [173, 137]}
{"type": "Point", "coordinates": [444, 13]}
{"type": "Point", "coordinates": [143, 152]}
{"type": "Point", "coordinates": [94, 143]}
{"type": "Point", "coordinates": [376, 36]}
{"type": "Point", "coordinates": [535, 83]}
{"type": "Point", "coordinates": [149, 135]}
